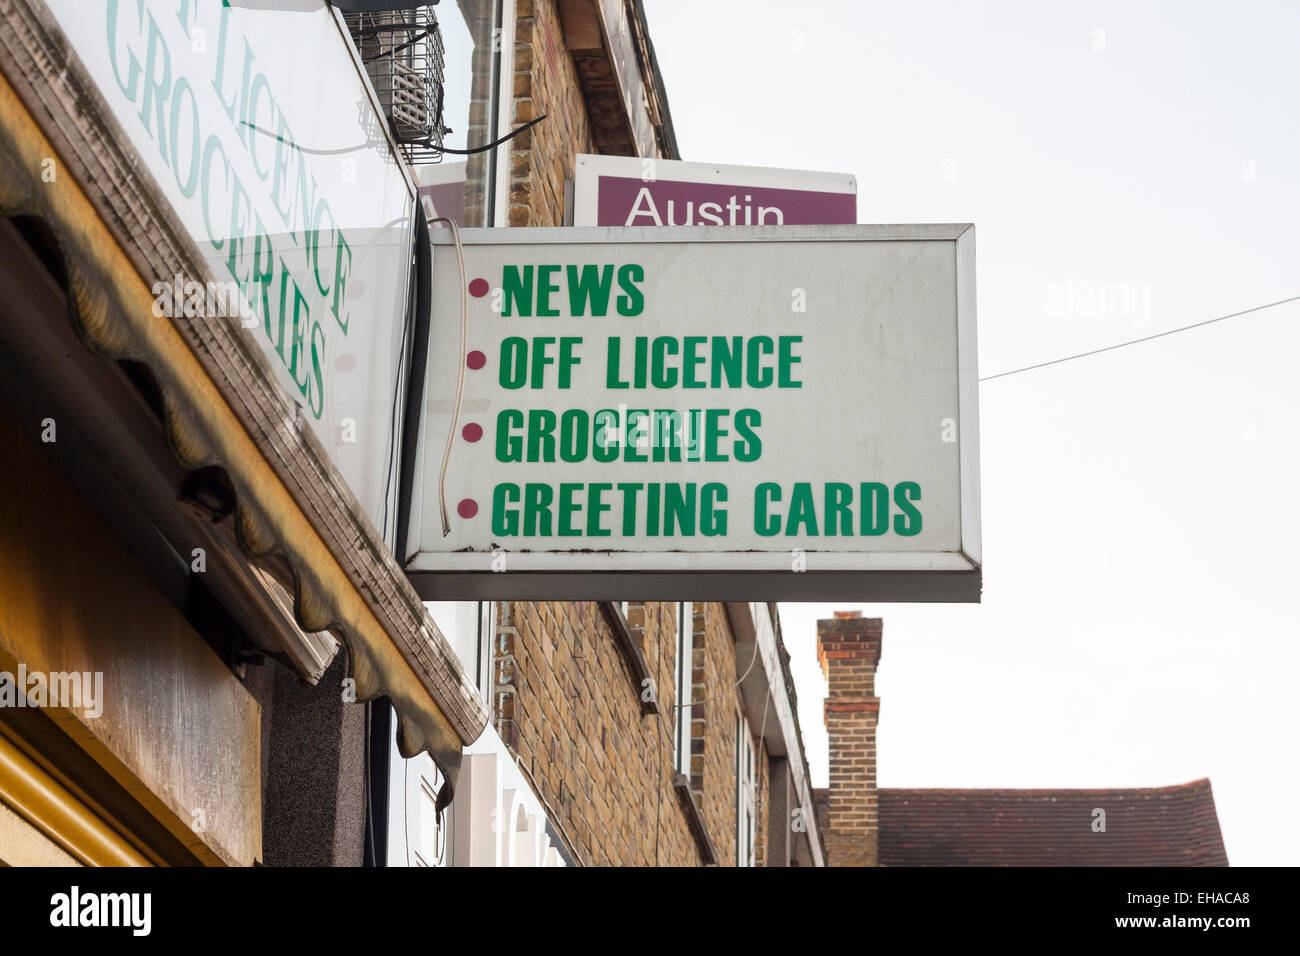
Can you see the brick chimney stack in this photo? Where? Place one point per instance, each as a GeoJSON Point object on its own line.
{"type": "Point", "coordinates": [848, 648]}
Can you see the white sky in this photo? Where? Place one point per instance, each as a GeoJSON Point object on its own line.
{"type": "Point", "coordinates": [1139, 624]}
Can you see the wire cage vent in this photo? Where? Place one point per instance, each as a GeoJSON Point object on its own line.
{"type": "Point", "coordinates": [403, 54]}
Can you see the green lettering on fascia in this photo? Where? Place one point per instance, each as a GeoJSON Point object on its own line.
{"type": "Point", "coordinates": [727, 356]}
{"type": "Point", "coordinates": [218, 78]}
{"type": "Point", "coordinates": [255, 122]}
{"type": "Point", "coordinates": [509, 445]}
{"type": "Point", "coordinates": [167, 109]}
{"type": "Point", "coordinates": [665, 361]}
{"type": "Point", "coordinates": [301, 321]}
{"type": "Point", "coordinates": [670, 510]}
{"type": "Point", "coordinates": [630, 491]}
{"type": "Point", "coordinates": [840, 514]}
{"type": "Point", "coordinates": [589, 290]}
{"type": "Point", "coordinates": [713, 516]}
{"type": "Point", "coordinates": [316, 391]}
{"type": "Point", "coordinates": [679, 509]}
{"type": "Point", "coordinates": [606, 442]}
{"type": "Point", "coordinates": [766, 495]}
{"type": "Point", "coordinates": [612, 379]}
{"type": "Point", "coordinates": [541, 435]}
{"type": "Point", "coordinates": [757, 374]}
{"type": "Point", "coordinates": [569, 508]}
{"type": "Point", "coordinates": [873, 508]}
{"type": "Point", "coordinates": [638, 435]}
{"type": "Point", "coordinates": [505, 519]}
{"type": "Point", "coordinates": [574, 435]}
{"type": "Point", "coordinates": [713, 433]}
{"type": "Point", "coordinates": [537, 510]}
{"type": "Point", "coordinates": [342, 272]}
{"type": "Point", "coordinates": [546, 288]}
{"type": "Point", "coordinates": [785, 359]}
{"type": "Point", "coordinates": [210, 149]}
{"type": "Point", "coordinates": [567, 359]}
{"type": "Point", "coordinates": [749, 447]}
{"type": "Point", "coordinates": [517, 290]}
{"type": "Point", "coordinates": [632, 301]}
{"type": "Point", "coordinates": [666, 434]}
{"type": "Point", "coordinates": [239, 211]}
{"type": "Point", "coordinates": [691, 360]}
{"type": "Point", "coordinates": [157, 86]}
{"type": "Point", "coordinates": [541, 358]}
{"type": "Point", "coordinates": [513, 372]}
{"type": "Point", "coordinates": [803, 513]}
{"type": "Point", "coordinates": [262, 275]}
{"type": "Point", "coordinates": [908, 522]}
{"type": "Point", "coordinates": [652, 496]}
{"type": "Point", "coordinates": [640, 362]}
{"type": "Point", "coordinates": [663, 373]}
{"type": "Point", "coordinates": [595, 508]}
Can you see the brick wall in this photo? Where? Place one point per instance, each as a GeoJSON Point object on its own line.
{"type": "Point", "coordinates": [545, 82]}
{"type": "Point", "coordinates": [848, 648]}
{"type": "Point", "coordinates": [569, 707]}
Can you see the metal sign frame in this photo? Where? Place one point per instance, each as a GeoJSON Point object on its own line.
{"type": "Point", "coordinates": [902, 576]}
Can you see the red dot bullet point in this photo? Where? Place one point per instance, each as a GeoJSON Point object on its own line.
{"type": "Point", "coordinates": [468, 508]}
{"type": "Point", "coordinates": [476, 360]}
{"type": "Point", "coordinates": [472, 432]}
{"type": "Point", "coordinates": [478, 288]}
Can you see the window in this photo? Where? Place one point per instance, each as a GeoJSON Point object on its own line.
{"type": "Point", "coordinates": [685, 686]}
{"type": "Point", "coordinates": [745, 795]}
{"type": "Point", "coordinates": [468, 627]}
{"type": "Point", "coordinates": [478, 44]}
{"type": "Point", "coordinates": [415, 834]}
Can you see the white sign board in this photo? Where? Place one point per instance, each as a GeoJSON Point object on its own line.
{"type": "Point", "coordinates": [631, 191]}
{"type": "Point", "coordinates": [726, 414]}
{"type": "Point", "coordinates": [714, 413]}
{"type": "Point", "coordinates": [261, 131]}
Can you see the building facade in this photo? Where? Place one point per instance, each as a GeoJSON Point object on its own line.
{"type": "Point", "coordinates": [214, 242]}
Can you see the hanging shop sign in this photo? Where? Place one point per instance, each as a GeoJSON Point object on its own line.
{"type": "Point", "coordinates": [747, 413]}
{"type": "Point", "coordinates": [629, 191]}
{"type": "Point", "coordinates": [259, 128]}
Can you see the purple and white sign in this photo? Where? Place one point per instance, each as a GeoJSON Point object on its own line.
{"type": "Point", "coordinates": [442, 191]}
{"type": "Point", "coordinates": [628, 191]}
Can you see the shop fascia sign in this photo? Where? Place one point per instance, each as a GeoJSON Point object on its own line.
{"type": "Point", "coordinates": [259, 128]}
{"type": "Point", "coordinates": [724, 414]}
{"type": "Point", "coordinates": [631, 191]}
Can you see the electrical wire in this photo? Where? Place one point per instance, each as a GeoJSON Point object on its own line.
{"type": "Point", "coordinates": [460, 381]}
{"type": "Point", "coordinates": [1146, 338]}
{"type": "Point", "coordinates": [427, 143]}
{"type": "Point", "coordinates": [752, 661]}
{"type": "Point", "coordinates": [397, 49]}
{"type": "Point", "coordinates": [486, 146]}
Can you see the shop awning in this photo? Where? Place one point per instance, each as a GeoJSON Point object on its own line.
{"type": "Point", "coordinates": [63, 159]}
